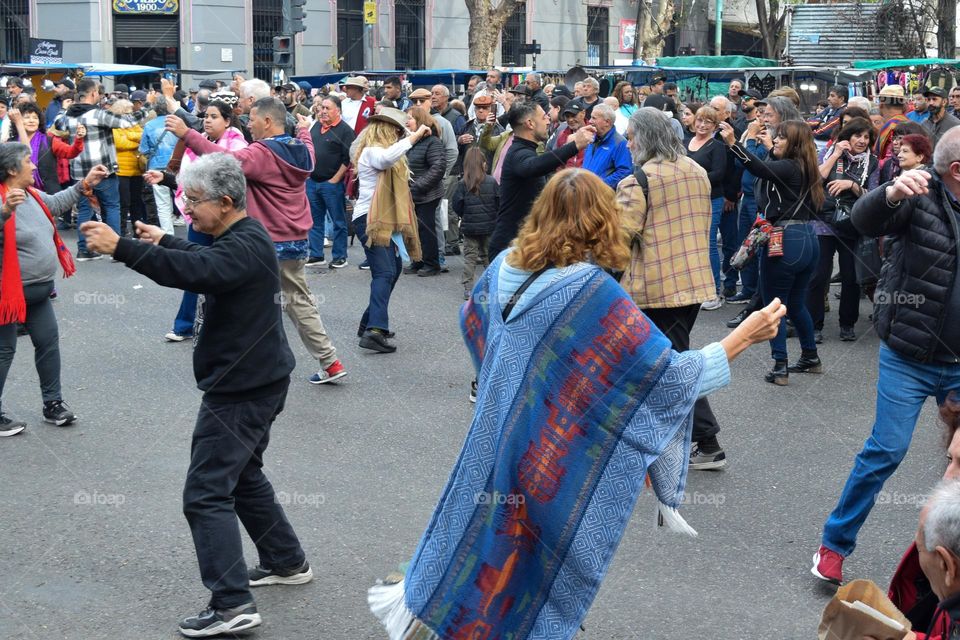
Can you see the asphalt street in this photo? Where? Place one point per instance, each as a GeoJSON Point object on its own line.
{"type": "Point", "coordinates": [95, 544]}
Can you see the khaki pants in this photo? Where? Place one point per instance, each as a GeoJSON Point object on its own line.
{"type": "Point", "coordinates": [474, 255]}
{"type": "Point", "coordinates": [301, 307]}
{"type": "Point", "coordinates": [452, 234]}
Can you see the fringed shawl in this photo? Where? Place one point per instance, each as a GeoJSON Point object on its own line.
{"type": "Point", "coordinates": [391, 211]}
{"type": "Point", "coordinates": [579, 398]}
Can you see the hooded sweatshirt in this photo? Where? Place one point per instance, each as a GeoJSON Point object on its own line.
{"type": "Point", "coordinates": [276, 170]}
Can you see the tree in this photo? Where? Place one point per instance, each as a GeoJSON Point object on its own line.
{"type": "Point", "coordinates": [770, 16]}
{"type": "Point", "coordinates": [947, 28]}
{"type": "Point", "coordinates": [653, 27]}
{"type": "Point", "coordinates": [487, 18]}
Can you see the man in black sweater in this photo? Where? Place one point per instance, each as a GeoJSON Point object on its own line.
{"type": "Point", "coordinates": [524, 171]}
{"type": "Point", "coordinates": [242, 363]}
{"type": "Point", "coordinates": [326, 191]}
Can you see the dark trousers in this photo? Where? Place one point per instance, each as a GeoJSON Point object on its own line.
{"type": "Point", "coordinates": [385, 267]}
{"type": "Point", "coordinates": [820, 284]}
{"type": "Point", "coordinates": [729, 232]}
{"type": "Point", "coordinates": [183, 323]}
{"type": "Point", "coordinates": [41, 324]}
{"type": "Point", "coordinates": [427, 230]}
{"type": "Point", "coordinates": [787, 277]}
{"type": "Point", "coordinates": [676, 324]}
{"type": "Point", "coordinates": [132, 208]}
{"type": "Point", "coordinates": [150, 215]}
{"type": "Point", "coordinates": [225, 482]}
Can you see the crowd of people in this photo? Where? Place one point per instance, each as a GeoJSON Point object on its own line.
{"type": "Point", "coordinates": [625, 215]}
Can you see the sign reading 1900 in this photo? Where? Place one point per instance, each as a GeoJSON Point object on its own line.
{"type": "Point", "coordinates": [146, 6]}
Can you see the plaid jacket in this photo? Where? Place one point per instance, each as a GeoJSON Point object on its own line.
{"type": "Point", "coordinates": [98, 146]}
{"type": "Point", "coordinates": [670, 249]}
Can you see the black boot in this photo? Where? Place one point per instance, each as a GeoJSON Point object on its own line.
{"type": "Point", "coordinates": [778, 375]}
{"type": "Point", "coordinates": [809, 362]}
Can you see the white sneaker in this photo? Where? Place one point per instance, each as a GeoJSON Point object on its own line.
{"type": "Point", "coordinates": [174, 337]}
{"type": "Point", "coordinates": [327, 242]}
{"type": "Point", "coordinates": [712, 305]}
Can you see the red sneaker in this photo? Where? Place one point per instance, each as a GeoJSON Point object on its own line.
{"type": "Point", "coordinates": [331, 373]}
{"type": "Point", "coordinates": [828, 565]}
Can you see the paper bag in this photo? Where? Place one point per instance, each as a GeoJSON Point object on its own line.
{"type": "Point", "coordinates": [860, 609]}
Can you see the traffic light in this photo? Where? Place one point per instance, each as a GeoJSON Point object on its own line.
{"type": "Point", "coordinates": [283, 51]}
{"type": "Point", "coordinates": [294, 14]}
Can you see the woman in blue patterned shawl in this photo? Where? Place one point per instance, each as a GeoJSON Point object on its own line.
{"type": "Point", "coordinates": [580, 397]}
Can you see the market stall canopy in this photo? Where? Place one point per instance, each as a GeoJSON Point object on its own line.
{"type": "Point", "coordinates": [108, 69]}
{"type": "Point", "coordinates": [419, 78]}
{"type": "Point", "coordinates": [36, 69]}
{"type": "Point", "coordinates": [902, 63]}
{"type": "Point", "coordinates": [714, 62]}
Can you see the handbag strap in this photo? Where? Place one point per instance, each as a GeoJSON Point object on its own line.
{"type": "Point", "coordinates": [512, 302]}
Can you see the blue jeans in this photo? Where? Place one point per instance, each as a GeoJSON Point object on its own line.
{"type": "Point", "coordinates": [108, 192]}
{"type": "Point", "coordinates": [787, 277]}
{"type": "Point", "coordinates": [183, 323]}
{"type": "Point", "coordinates": [729, 235]}
{"type": "Point", "coordinates": [385, 269]}
{"type": "Point", "coordinates": [716, 206]}
{"type": "Point", "coordinates": [327, 199]}
{"type": "Point", "coordinates": [748, 213]}
{"type": "Point", "coordinates": [903, 385]}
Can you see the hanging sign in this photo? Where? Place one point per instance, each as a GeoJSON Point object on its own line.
{"type": "Point", "coordinates": [44, 51]}
{"type": "Point", "coordinates": [628, 35]}
{"type": "Point", "coordinates": [369, 12]}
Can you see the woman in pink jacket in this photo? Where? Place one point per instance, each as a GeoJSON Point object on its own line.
{"type": "Point", "coordinates": [219, 127]}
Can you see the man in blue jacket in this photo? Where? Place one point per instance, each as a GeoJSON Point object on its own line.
{"type": "Point", "coordinates": [608, 156]}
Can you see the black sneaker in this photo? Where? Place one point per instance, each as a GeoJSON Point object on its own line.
{"type": "Point", "coordinates": [261, 577]}
{"type": "Point", "coordinates": [847, 334]}
{"type": "Point", "coordinates": [56, 412]}
{"type": "Point", "coordinates": [316, 262]}
{"type": "Point", "coordinates": [739, 298]}
{"type": "Point", "coordinates": [364, 266]}
{"type": "Point", "coordinates": [709, 460]}
{"type": "Point", "coordinates": [10, 427]}
{"type": "Point", "coordinates": [473, 390]}
{"type": "Point", "coordinates": [376, 340]}
{"type": "Point", "coordinates": [214, 622]}
{"type": "Point", "coordinates": [84, 256]}
{"type": "Point", "coordinates": [734, 322]}
{"type": "Point", "coordinates": [339, 263]}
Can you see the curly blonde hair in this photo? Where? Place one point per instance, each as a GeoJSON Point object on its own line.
{"type": "Point", "coordinates": [575, 219]}
{"type": "Point", "coordinates": [382, 135]}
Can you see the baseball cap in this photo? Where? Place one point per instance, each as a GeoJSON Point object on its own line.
{"type": "Point", "coordinates": [121, 88]}
{"type": "Point", "coordinates": [940, 92]}
{"type": "Point", "coordinates": [303, 84]}
{"type": "Point", "coordinates": [750, 93]}
{"type": "Point", "coordinates": [208, 84]}
{"type": "Point", "coordinates": [573, 108]}
{"type": "Point", "coordinates": [67, 82]}
{"type": "Point", "coordinates": [138, 96]}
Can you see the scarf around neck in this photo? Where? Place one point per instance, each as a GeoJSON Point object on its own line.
{"type": "Point", "coordinates": [13, 306]}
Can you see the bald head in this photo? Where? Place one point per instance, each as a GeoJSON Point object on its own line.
{"type": "Point", "coordinates": [722, 106]}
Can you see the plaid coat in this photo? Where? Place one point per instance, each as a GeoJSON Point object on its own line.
{"type": "Point", "coordinates": [669, 236]}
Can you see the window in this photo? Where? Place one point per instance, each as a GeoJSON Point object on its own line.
{"type": "Point", "coordinates": [514, 34]}
{"type": "Point", "coordinates": [267, 22]}
{"type": "Point", "coordinates": [350, 35]}
{"type": "Point", "coordinates": [598, 36]}
{"type": "Point", "coordinates": [410, 35]}
{"type": "Point", "coordinates": [14, 31]}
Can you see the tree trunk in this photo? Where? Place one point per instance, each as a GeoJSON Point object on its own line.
{"type": "Point", "coordinates": [487, 18]}
{"type": "Point", "coordinates": [947, 28]}
{"type": "Point", "coordinates": [653, 29]}
{"type": "Point", "coordinates": [771, 24]}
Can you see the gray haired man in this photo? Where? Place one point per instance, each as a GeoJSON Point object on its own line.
{"type": "Point", "coordinates": [242, 363]}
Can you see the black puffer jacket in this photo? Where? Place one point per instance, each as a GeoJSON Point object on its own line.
{"type": "Point", "coordinates": [477, 211]}
{"type": "Point", "coordinates": [428, 162]}
{"type": "Point", "coordinates": [916, 284]}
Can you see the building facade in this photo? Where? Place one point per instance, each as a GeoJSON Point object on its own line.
{"type": "Point", "coordinates": [400, 34]}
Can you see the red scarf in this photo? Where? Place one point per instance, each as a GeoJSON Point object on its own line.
{"type": "Point", "coordinates": [13, 307]}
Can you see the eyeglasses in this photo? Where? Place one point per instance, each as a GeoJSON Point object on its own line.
{"type": "Point", "coordinates": [190, 203]}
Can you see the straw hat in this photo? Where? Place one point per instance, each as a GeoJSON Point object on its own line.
{"type": "Point", "coordinates": [391, 116]}
{"type": "Point", "coordinates": [357, 81]}
{"type": "Point", "coordinates": [892, 93]}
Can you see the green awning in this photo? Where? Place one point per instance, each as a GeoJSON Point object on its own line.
{"type": "Point", "coordinates": [715, 62]}
{"type": "Point", "coordinates": [903, 62]}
